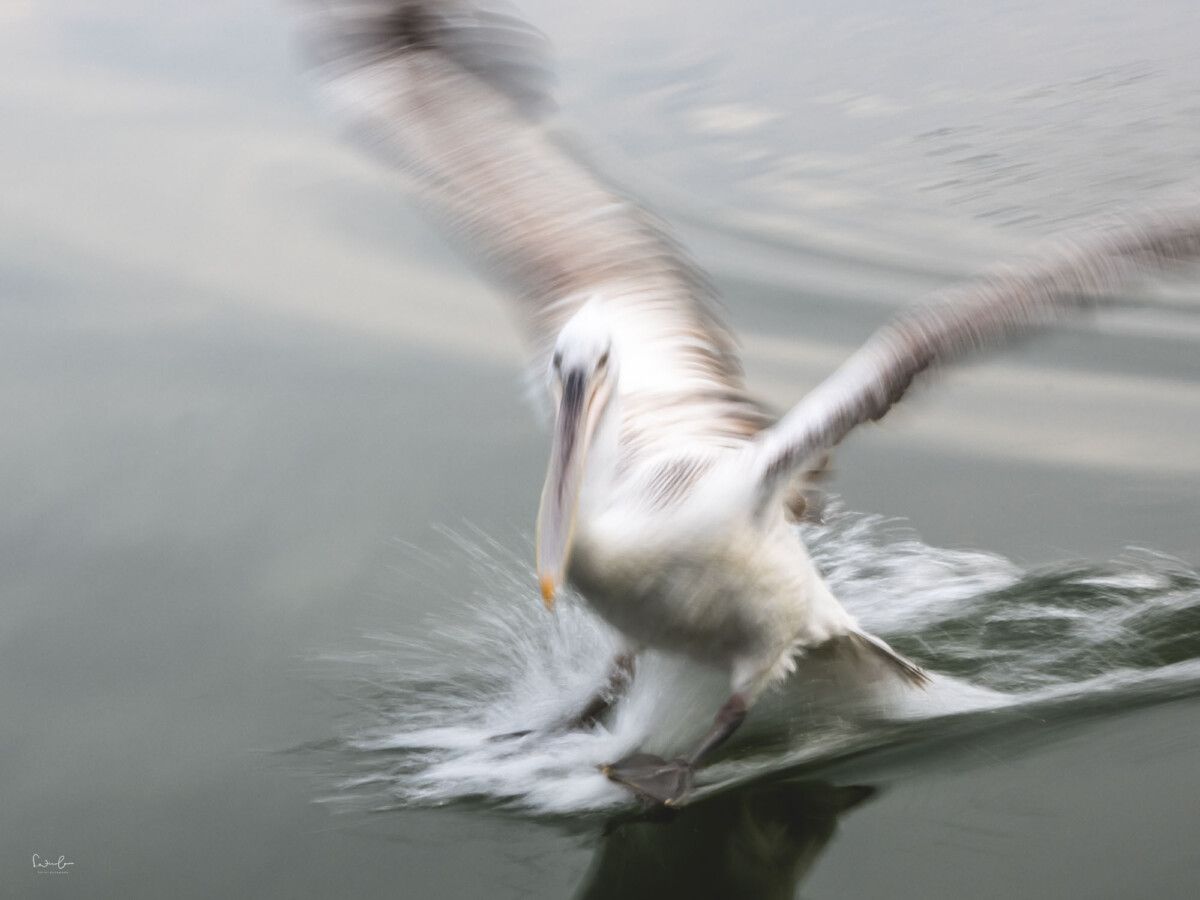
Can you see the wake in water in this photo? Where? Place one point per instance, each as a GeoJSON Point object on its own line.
{"type": "Point", "coordinates": [1000, 639]}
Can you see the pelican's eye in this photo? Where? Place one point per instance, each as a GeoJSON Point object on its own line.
{"type": "Point", "coordinates": [602, 361]}
{"type": "Point", "coordinates": [558, 361]}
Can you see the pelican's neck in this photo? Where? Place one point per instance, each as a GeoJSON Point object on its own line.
{"type": "Point", "coordinates": [600, 474]}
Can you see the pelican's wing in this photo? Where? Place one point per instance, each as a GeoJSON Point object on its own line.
{"type": "Point", "coordinates": [1066, 276]}
{"type": "Point", "coordinates": [452, 91]}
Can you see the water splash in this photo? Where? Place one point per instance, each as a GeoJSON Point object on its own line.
{"type": "Point", "coordinates": [439, 713]}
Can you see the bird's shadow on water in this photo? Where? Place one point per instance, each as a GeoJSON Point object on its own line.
{"type": "Point", "coordinates": [757, 841]}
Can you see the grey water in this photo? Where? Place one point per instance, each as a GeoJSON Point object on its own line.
{"type": "Point", "coordinates": [268, 475]}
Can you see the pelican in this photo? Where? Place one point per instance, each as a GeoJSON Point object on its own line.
{"type": "Point", "coordinates": [666, 494]}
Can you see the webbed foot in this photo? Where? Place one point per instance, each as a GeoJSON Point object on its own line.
{"type": "Point", "coordinates": [652, 777]}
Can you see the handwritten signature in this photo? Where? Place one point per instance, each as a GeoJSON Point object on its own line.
{"type": "Point", "coordinates": [42, 864]}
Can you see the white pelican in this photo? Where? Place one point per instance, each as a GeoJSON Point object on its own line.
{"type": "Point", "coordinates": [664, 501]}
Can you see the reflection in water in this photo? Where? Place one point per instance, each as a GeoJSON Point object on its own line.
{"type": "Point", "coordinates": [756, 842]}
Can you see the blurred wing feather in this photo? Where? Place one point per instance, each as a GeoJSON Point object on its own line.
{"type": "Point", "coordinates": [452, 92]}
{"type": "Point", "coordinates": [1066, 276]}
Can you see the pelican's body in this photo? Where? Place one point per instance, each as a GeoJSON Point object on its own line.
{"type": "Point", "coordinates": [659, 524]}
{"type": "Point", "coordinates": [700, 579]}
{"type": "Point", "coordinates": [664, 496]}
{"type": "Point", "coordinates": [726, 594]}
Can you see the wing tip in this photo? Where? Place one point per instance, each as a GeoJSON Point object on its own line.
{"type": "Point", "coordinates": [484, 38]}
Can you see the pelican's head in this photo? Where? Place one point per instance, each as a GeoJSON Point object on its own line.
{"type": "Point", "coordinates": [583, 377]}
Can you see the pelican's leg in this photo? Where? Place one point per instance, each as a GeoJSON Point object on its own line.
{"type": "Point", "coordinates": [620, 675]}
{"type": "Point", "coordinates": [618, 681]}
{"type": "Point", "coordinates": [728, 719]}
{"type": "Point", "coordinates": [669, 781]}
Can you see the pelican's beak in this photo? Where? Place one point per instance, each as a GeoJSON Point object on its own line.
{"type": "Point", "coordinates": [578, 410]}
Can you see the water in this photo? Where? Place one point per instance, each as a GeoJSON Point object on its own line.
{"type": "Point", "coordinates": [266, 463]}
{"type": "Point", "coordinates": [1006, 643]}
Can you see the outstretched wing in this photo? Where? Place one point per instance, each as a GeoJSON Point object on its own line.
{"type": "Point", "coordinates": [1067, 275]}
{"type": "Point", "coordinates": [452, 91]}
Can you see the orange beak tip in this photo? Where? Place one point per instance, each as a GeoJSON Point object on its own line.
{"type": "Point", "coordinates": [547, 585]}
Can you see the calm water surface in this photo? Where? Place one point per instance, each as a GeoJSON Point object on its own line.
{"type": "Point", "coordinates": [266, 460]}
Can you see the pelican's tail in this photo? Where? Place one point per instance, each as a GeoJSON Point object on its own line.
{"type": "Point", "coordinates": [879, 650]}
